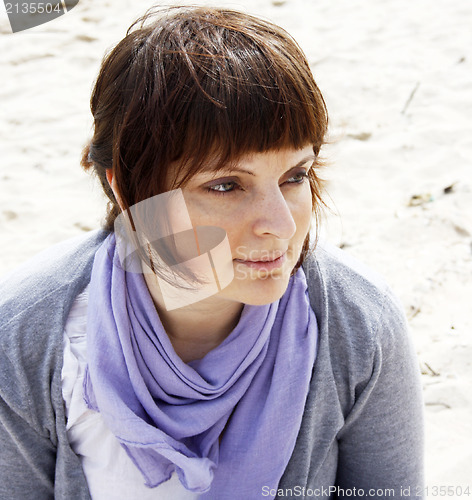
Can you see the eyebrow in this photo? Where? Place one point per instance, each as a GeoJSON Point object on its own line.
{"type": "Point", "coordinates": [244, 171]}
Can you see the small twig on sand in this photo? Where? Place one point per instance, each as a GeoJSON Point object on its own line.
{"type": "Point", "coordinates": [438, 403]}
{"type": "Point", "coordinates": [433, 372]}
{"type": "Point", "coordinates": [412, 94]}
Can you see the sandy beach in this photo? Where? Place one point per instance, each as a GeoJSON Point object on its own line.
{"type": "Point", "coordinates": [397, 79]}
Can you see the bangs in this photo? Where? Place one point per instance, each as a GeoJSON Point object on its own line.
{"type": "Point", "coordinates": [256, 112]}
{"type": "Point", "coordinates": [220, 85]}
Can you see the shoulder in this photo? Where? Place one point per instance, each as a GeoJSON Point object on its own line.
{"type": "Point", "coordinates": [35, 300]}
{"type": "Point", "coordinates": [361, 321]}
{"type": "Point", "coordinates": [341, 285]}
{"type": "Point", "coordinates": [65, 266]}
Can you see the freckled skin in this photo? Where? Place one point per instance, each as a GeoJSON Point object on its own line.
{"type": "Point", "coordinates": [265, 207]}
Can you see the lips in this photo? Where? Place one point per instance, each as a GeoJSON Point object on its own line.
{"type": "Point", "coordinates": [267, 263]}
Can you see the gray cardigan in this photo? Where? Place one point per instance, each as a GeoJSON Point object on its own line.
{"type": "Point", "coordinates": [362, 427]}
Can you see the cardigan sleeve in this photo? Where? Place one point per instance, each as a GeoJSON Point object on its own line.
{"type": "Point", "coordinates": [27, 457]}
{"type": "Point", "coordinates": [381, 442]}
{"type": "Point", "coordinates": [36, 463]}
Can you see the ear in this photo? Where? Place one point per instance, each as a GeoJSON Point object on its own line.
{"type": "Point", "coordinates": [109, 174]}
{"type": "Point", "coordinates": [112, 183]}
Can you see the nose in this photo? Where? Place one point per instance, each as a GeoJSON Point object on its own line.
{"type": "Point", "coordinates": [273, 217]}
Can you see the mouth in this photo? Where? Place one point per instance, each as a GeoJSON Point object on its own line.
{"type": "Point", "coordinates": [264, 265]}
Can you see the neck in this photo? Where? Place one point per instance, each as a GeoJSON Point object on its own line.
{"type": "Point", "coordinates": [194, 330]}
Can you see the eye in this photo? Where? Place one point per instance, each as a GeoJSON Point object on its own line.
{"type": "Point", "coordinates": [298, 178]}
{"type": "Point", "coordinates": [222, 187]}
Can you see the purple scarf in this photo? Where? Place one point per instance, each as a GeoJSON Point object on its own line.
{"type": "Point", "coordinates": [169, 415]}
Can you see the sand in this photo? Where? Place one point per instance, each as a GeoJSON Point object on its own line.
{"type": "Point", "coordinates": [397, 78]}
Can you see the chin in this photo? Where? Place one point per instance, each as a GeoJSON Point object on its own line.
{"type": "Point", "coordinates": [262, 290]}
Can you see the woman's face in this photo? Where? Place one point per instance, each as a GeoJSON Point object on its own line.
{"type": "Point", "coordinates": [264, 204]}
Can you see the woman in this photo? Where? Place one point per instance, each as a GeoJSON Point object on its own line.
{"type": "Point", "coordinates": [198, 346]}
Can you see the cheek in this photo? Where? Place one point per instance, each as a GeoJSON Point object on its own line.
{"type": "Point", "coordinates": [202, 215]}
{"type": "Point", "coordinates": [303, 213]}
{"type": "Point", "coordinates": [235, 236]}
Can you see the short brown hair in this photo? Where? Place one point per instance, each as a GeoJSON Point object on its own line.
{"type": "Point", "coordinates": [187, 83]}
